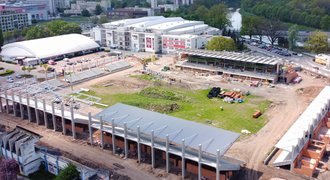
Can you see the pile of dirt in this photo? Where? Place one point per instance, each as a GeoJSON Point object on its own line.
{"type": "Point", "coordinates": [154, 92]}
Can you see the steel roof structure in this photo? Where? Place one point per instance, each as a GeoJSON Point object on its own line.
{"type": "Point", "coordinates": [233, 56]}
{"type": "Point", "coordinates": [210, 138]}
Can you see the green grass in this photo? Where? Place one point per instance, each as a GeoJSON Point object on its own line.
{"type": "Point", "coordinates": [146, 77]}
{"type": "Point", "coordinates": [194, 106]}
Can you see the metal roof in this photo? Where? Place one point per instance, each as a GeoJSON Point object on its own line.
{"type": "Point", "coordinates": [307, 120]}
{"type": "Point", "coordinates": [210, 138]}
{"type": "Point", "coordinates": [233, 56]}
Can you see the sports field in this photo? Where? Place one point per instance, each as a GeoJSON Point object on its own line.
{"type": "Point", "coordinates": [191, 105]}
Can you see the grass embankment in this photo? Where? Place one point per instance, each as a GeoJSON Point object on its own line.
{"type": "Point", "coordinates": [192, 105]}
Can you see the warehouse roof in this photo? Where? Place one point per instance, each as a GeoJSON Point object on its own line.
{"type": "Point", "coordinates": [234, 56]}
{"type": "Point", "coordinates": [210, 138]}
{"type": "Point", "coordinates": [49, 47]}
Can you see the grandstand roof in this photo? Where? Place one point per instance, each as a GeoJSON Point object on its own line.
{"type": "Point", "coordinates": [232, 56]}
{"type": "Point", "coordinates": [210, 138]}
{"type": "Point", "coordinates": [49, 47]}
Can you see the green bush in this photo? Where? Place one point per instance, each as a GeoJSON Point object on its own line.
{"type": "Point", "coordinates": [27, 75]}
{"type": "Point", "coordinates": [69, 173]}
{"type": "Point", "coordinates": [7, 72]}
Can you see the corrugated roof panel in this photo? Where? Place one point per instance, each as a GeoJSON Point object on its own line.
{"type": "Point", "coordinates": [211, 138]}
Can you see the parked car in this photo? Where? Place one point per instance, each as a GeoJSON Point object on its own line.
{"type": "Point", "coordinates": [18, 76]}
{"type": "Point", "coordinates": [50, 69]}
{"type": "Point", "coordinates": [52, 62]}
{"type": "Point", "coordinates": [10, 79]}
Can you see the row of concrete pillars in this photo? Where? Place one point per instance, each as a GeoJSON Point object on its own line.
{"type": "Point", "coordinates": [42, 115]}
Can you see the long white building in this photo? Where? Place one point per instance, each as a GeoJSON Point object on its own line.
{"type": "Point", "coordinates": [154, 34]}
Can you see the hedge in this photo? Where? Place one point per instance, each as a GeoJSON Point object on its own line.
{"type": "Point", "coordinates": [7, 72]}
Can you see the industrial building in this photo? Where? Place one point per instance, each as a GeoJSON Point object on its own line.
{"type": "Point", "coordinates": [32, 52]}
{"type": "Point", "coordinates": [230, 64]}
{"type": "Point", "coordinates": [303, 146]}
{"type": "Point", "coordinates": [146, 34]}
{"type": "Point", "coordinates": [179, 146]}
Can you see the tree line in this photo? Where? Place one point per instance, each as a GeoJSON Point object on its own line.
{"type": "Point", "coordinates": [215, 15]}
{"type": "Point", "coordinates": [52, 28]}
{"type": "Point", "coordinates": [312, 13]}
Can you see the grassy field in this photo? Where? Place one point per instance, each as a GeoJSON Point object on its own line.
{"type": "Point", "coordinates": [192, 105]}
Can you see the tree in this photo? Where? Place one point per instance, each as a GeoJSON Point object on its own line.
{"type": "Point", "coordinates": [317, 42]}
{"type": "Point", "coordinates": [53, 28]}
{"type": "Point", "coordinates": [8, 35]}
{"type": "Point", "coordinates": [325, 23]}
{"type": "Point", "coordinates": [272, 30]}
{"type": "Point", "coordinates": [69, 173]}
{"type": "Point", "coordinates": [85, 13]}
{"type": "Point", "coordinates": [98, 9]}
{"type": "Point", "coordinates": [1, 39]}
{"type": "Point", "coordinates": [45, 66]}
{"type": "Point", "coordinates": [292, 36]}
{"type": "Point", "coordinates": [103, 19]}
{"type": "Point", "coordinates": [201, 11]}
{"type": "Point", "coordinates": [220, 43]}
{"type": "Point", "coordinates": [249, 24]}
{"type": "Point", "coordinates": [217, 16]}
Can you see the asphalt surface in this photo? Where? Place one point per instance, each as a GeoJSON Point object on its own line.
{"type": "Point", "coordinates": [304, 61]}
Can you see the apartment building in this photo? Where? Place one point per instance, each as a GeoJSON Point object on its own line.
{"type": "Point", "coordinates": [13, 18]}
{"type": "Point", "coordinates": [146, 34]}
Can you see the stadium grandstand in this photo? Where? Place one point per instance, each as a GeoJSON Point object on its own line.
{"type": "Point", "coordinates": [32, 52]}
{"type": "Point", "coordinates": [230, 64]}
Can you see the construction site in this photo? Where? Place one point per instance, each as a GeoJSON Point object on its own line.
{"type": "Point", "coordinates": [70, 113]}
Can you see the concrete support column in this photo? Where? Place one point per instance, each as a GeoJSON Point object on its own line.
{"type": "Point", "coordinates": [101, 129]}
{"type": "Point", "coordinates": [6, 99]}
{"type": "Point", "coordinates": [167, 154]}
{"type": "Point", "coordinates": [113, 136]}
{"type": "Point", "coordinates": [1, 107]}
{"type": "Point", "coordinates": [53, 116]}
{"type": "Point", "coordinates": [13, 99]}
{"type": "Point", "coordinates": [36, 109]}
{"type": "Point", "coordinates": [72, 123]}
{"type": "Point", "coordinates": [217, 176]}
{"type": "Point", "coordinates": [28, 107]}
{"type": "Point", "coordinates": [63, 119]}
{"type": "Point", "coordinates": [90, 128]}
{"type": "Point", "coordinates": [125, 139]}
{"type": "Point", "coordinates": [21, 106]}
{"type": "Point", "coordinates": [138, 143]}
{"type": "Point", "coordinates": [199, 162]}
{"type": "Point", "coordinates": [183, 167]}
{"type": "Point", "coordinates": [152, 149]}
{"type": "Point", "coordinates": [45, 113]}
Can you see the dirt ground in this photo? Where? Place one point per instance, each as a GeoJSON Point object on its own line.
{"type": "Point", "coordinates": [289, 101]}
{"type": "Point", "coordinates": [288, 104]}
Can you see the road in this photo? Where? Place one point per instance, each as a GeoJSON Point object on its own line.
{"type": "Point", "coordinates": [80, 149]}
{"type": "Point", "coordinates": [304, 61]}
